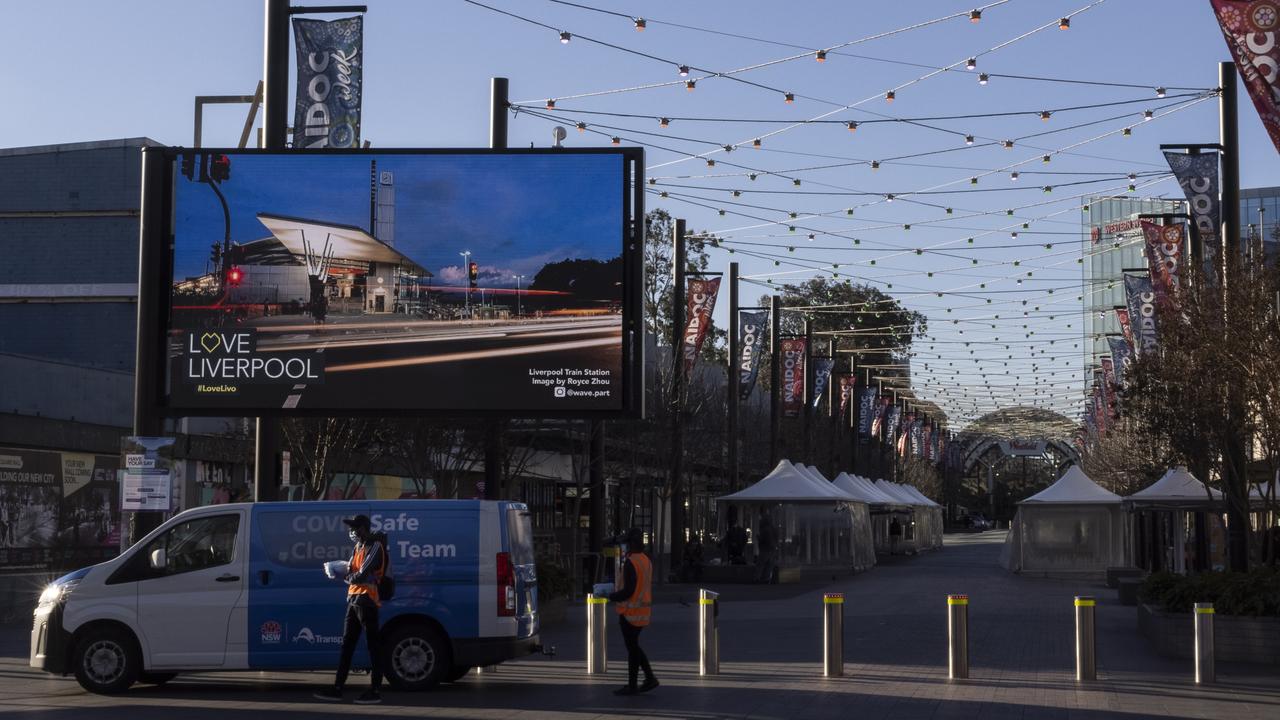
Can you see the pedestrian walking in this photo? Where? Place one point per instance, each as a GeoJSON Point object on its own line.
{"type": "Point", "coordinates": [766, 546]}
{"type": "Point", "coordinates": [633, 603]}
{"type": "Point", "coordinates": [895, 535]}
{"type": "Point", "coordinates": [365, 571]}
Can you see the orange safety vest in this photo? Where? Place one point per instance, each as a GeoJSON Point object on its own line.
{"type": "Point", "coordinates": [636, 608]}
{"type": "Point", "coordinates": [370, 589]}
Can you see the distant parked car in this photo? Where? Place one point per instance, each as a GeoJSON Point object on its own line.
{"type": "Point", "coordinates": [975, 522]}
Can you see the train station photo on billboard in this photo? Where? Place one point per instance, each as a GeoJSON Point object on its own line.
{"type": "Point", "coordinates": [400, 280]}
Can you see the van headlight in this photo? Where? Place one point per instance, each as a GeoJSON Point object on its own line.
{"type": "Point", "coordinates": [55, 594]}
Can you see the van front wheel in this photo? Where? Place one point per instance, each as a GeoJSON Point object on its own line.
{"type": "Point", "coordinates": [418, 657]}
{"type": "Point", "coordinates": [107, 661]}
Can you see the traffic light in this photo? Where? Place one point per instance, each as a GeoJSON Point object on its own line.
{"type": "Point", "coordinates": [473, 273]}
{"type": "Point", "coordinates": [219, 168]}
{"type": "Point", "coordinates": [234, 276]}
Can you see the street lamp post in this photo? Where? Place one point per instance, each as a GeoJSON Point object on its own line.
{"type": "Point", "coordinates": [466, 278]}
{"type": "Point", "coordinates": [519, 306]}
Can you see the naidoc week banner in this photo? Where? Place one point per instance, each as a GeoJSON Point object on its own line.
{"type": "Point", "coordinates": [1250, 27]}
{"type": "Point", "coordinates": [877, 422]}
{"type": "Point", "coordinates": [793, 355]}
{"type": "Point", "coordinates": [866, 411]}
{"type": "Point", "coordinates": [926, 441]}
{"type": "Point", "coordinates": [330, 57]}
{"type": "Point", "coordinates": [847, 383]}
{"type": "Point", "coordinates": [904, 432]}
{"type": "Point", "coordinates": [821, 375]}
{"type": "Point", "coordinates": [917, 430]}
{"type": "Point", "coordinates": [1198, 176]}
{"type": "Point", "coordinates": [1122, 356]}
{"type": "Point", "coordinates": [1122, 315]}
{"type": "Point", "coordinates": [58, 510]}
{"type": "Point", "coordinates": [892, 418]}
{"type": "Point", "coordinates": [1109, 384]}
{"type": "Point", "coordinates": [1141, 299]}
{"type": "Point", "coordinates": [751, 327]}
{"type": "Point", "coordinates": [1164, 259]}
{"type": "Point", "coordinates": [701, 302]}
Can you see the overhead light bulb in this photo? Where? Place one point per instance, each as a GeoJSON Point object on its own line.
{"type": "Point", "coordinates": [664, 122]}
{"type": "Point", "coordinates": [551, 104]}
{"type": "Point", "coordinates": [755, 143]}
{"type": "Point", "coordinates": [789, 98]}
{"type": "Point", "coordinates": [1160, 92]}
{"type": "Point", "coordinates": [684, 71]}
{"type": "Point", "coordinates": [1045, 159]}
{"type": "Point", "coordinates": [821, 56]}
{"type": "Point", "coordinates": [1044, 115]}
{"type": "Point", "coordinates": [1127, 132]}
{"type": "Point", "coordinates": [582, 127]}
{"type": "Point", "coordinates": [1008, 144]}
{"type": "Point", "coordinates": [968, 139]}
{"type": "Point", "coordinates": [711, 162]}
{"type": "Point", "coordinates": [1132, 177]}
{"type": "Point", "coordinates": [1013, 176]}
{"type": "Point", "coordinates": [875, 164]}
{"type": "Point", "coordinates": [971, 63]}
{"type": "Point", "coordinates": [640, 24]}
{"type": "Point", "coordinates": [975, 16]}
{"type": "Point", "coordinates": [889, 96]}
{"type": "Point", "coordinates": [852, 126]}
{"type": "Point", "coordinates": [889, 197]}
{"type": "Point", "coordinates": [565, 38]}
{"type": "Point", "coordinates": [617, 140]}
{"type": "Point", "coordinates": [1147, 115]}
{"type": "Point", "coordinates": [982, 78]}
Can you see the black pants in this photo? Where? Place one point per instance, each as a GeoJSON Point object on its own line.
{"type": "Point", "coordinates": [636, 659]}
{"type": "Point", "coordinates": [362, 613]}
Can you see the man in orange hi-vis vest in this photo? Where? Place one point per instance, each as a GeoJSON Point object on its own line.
{"type": "Point", "coordinates": [368, 565]}
{"type": "Point", "coordinates": [633, 602]}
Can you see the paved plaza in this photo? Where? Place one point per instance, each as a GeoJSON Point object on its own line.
{"type": "Point", "coordinates": [1021, 659]}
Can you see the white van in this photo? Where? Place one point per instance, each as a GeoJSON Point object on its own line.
{"type": "Point", "coordinates": [241, 587]}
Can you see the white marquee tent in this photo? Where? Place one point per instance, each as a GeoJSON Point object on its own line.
{"type": "Point", "coordinates": [1074, 527]}
{"type": "Point", "coordinates": [1168, 518]}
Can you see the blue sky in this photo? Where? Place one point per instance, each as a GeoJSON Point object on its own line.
{"type": "Point", "coordinates": [93, 70]}
{"type": "Point", "coordinates": [513, 213]}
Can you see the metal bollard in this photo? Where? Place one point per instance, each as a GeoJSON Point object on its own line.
{"type": "Point", "coordinates": [833, 634]}
{"type": "Point", "coordinates": [1086, 639]}
{"type": "Point", "coordinates": [597, 635]}
{"type": "Point", "coordinates": [958, 637]}
{"type": "Point", "coordinates": [1204, 644]}
{"type": "Point", "coordinates": [708, 632]}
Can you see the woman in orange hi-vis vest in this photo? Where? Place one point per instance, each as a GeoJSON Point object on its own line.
{"type": "Point", "coordinates": [368, 565]}
{"type": "Point", "coordinates": [633, 602]}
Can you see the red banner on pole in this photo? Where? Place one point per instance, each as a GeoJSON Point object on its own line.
{"type": "Point", "coordinates": [701, 303]}
{"type": "Point", "coordinates": [1164, 259]}
{"type": "Point", "coordinates": [1250, 27]}
{"type": "Point", "coordinates": [793, 357]}
{"type": "Point", "coordinates": [846, 390]}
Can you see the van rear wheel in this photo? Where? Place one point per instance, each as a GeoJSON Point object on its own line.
{"type": "Point", "coordinates": [417, 657]}
{"type": "Point", "coordinates": [107, 661]}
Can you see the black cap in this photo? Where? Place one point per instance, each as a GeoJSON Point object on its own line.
{"type": "Point", "coordinates": [359, 521]}
{"type": "Point", "coordinates": [635, 539]}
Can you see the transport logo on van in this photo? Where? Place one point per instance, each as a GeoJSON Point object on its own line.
{"type": "Point", "coordinates": [305, 635]}
{"type": "Point", "coordinates": [271, 632]}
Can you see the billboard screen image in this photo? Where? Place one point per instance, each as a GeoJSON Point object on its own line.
{"type": "Point", "coordinates": [433, 281]}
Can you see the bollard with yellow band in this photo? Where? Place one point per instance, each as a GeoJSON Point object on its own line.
{"type": "Point", "coordinates": [957, 637]}
{"type": "Point", "coordinates": [1205, 671]}
{"type": "Point", "coordinates": [1086, 639]}
{"type": "Point", "coordinates": [597, 635]}
{"type": "Point", "coordinates": [708, 632]}
{"type": "Point", "coordinates": [833, 634]}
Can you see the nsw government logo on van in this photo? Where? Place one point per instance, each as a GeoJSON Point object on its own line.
{"type": "Point", "coordinates": [271, 632]}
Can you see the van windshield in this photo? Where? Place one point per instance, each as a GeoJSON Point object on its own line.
{"type": "Point", "coordinates": [520, 530]}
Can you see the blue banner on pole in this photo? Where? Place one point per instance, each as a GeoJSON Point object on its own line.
{"type": "Point", "coordinates": [821, 375]}
{"type": "Point", "coordinates": [330, 58]}
{"type": "Point", "coordinates": [1140, 296]}
{"type": "Point", "coordinates": [751, 329]}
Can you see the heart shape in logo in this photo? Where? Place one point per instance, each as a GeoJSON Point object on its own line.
{"type": "Point", "coordinates": [209, 341]}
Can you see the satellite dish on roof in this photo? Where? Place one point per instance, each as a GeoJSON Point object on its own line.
{"type": "Point", "coordinates": [558, 134]}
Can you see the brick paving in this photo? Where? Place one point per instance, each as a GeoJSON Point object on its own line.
{"type": "Point", "coordinates": [1021, 661]}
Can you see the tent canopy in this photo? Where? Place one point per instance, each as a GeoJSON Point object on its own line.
{"type": "Point", "coordinates": [865, 493]}
{"type": "Point", "coordinates": [822, 483]}
{"type": "Point", "coordinates": [895, 491]}
{"type": "Point", "coordinates": [1075, 488]}
{"type": "Point", "coordinates": [786, 483]}
{"type": "Point", "coordinates": [1177, 486]}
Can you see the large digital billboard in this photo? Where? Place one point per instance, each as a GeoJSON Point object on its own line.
{"type": "Point", "coordinates": [332, 282]}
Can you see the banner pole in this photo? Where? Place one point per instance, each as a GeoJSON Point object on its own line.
{"type": "Point", "coordinates": [493, 432]}
{"type": "Point", "coordinates": [1234, 465]}
{"type": "Point", "coordinates": [734, 376]}
{"type": "Point", "coordinates": [678, 312]}
{"type": "Point", "coordinates": [806, 413]}
{"type": "Point", "coordinates": [775, 377]}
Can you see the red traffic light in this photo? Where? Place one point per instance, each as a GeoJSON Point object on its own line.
{"type": "Point", "coordinates": [219, 168]}
{"type": "Point", "coordinates": [234, 276]}
{"type": "Point", "coordinates": [474, 270]}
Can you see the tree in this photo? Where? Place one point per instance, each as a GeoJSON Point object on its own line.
{"type": "Point", "coordinates": [327, 446]}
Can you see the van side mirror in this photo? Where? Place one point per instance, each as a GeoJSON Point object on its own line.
{"type": "Point", "coordinates": [158, 559]}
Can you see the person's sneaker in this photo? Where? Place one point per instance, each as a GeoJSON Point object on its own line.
{"type": "Point", "coordinates": [370, 697]}
{"type": "Point", "coordinates": [627, 690]}
{"type": "Point", "coordinates": [329, 694]}
{"type": "Point", "coordinates": [648, 685]}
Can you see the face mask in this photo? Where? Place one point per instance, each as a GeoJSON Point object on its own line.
{"type": "Point", "coordinates": [354, 537]}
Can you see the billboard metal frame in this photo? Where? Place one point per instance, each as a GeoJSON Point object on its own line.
{"type": "Point", "coordinates": [155, 272]}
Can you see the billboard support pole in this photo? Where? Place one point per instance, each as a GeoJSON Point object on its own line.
{"type": "Point", "coordinates": [493, 432]}
{"type": "Point", "coordinates": [146, 417]}
{"type": "Point", "coordinates": [775, 377]}
{"type": "Point", "coordinates": [275, 109]}
{"type": "Point", "coordinates": [677, 394]}
{"type": "Point", "coordinates": [806, 421]}
{"type": "Point", "coordinates": [1235, 462]}
{"type": "Point", "coordinates": [734, 377]}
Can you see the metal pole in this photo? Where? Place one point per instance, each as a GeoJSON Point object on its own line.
{"type": "Point", "coordinates": [678, 311]}
{"type": "Point", "coordinates": [498, 113]}
{"type": "Point", "coordinates": [708, 632]}
{"type": "Point", "coordinates": [958, 637]}
{"type": "Point", "coordinates": [1235, 460]}
{"type": "Point", "coordinates": [775, 378]}
{"type": "Point", "coordinates": [806, 442]}
{"type": "Point", "coordinates": [595, 470]}
{"type": "Point", "coordinates": [855, 415]}
{"type": "Point", "coordinates": [833, 635]}
{"type": "Point", "coordinates": [1229, 128]}
{"type": "Point", "coordinates": [597, 635]}
{"type": "Point", "coordinates": [1205, 673]}
{"type": "Point", "coordinates": [1086, 647]}
{"type": "Point", "coordinates": [833, 452]}
{"type": "Point", "coordinates": [734, 377]}
{"type": "Point", "coordinates": [275, 102]}
{"type": "Point", "coordinates": [146, 418]}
